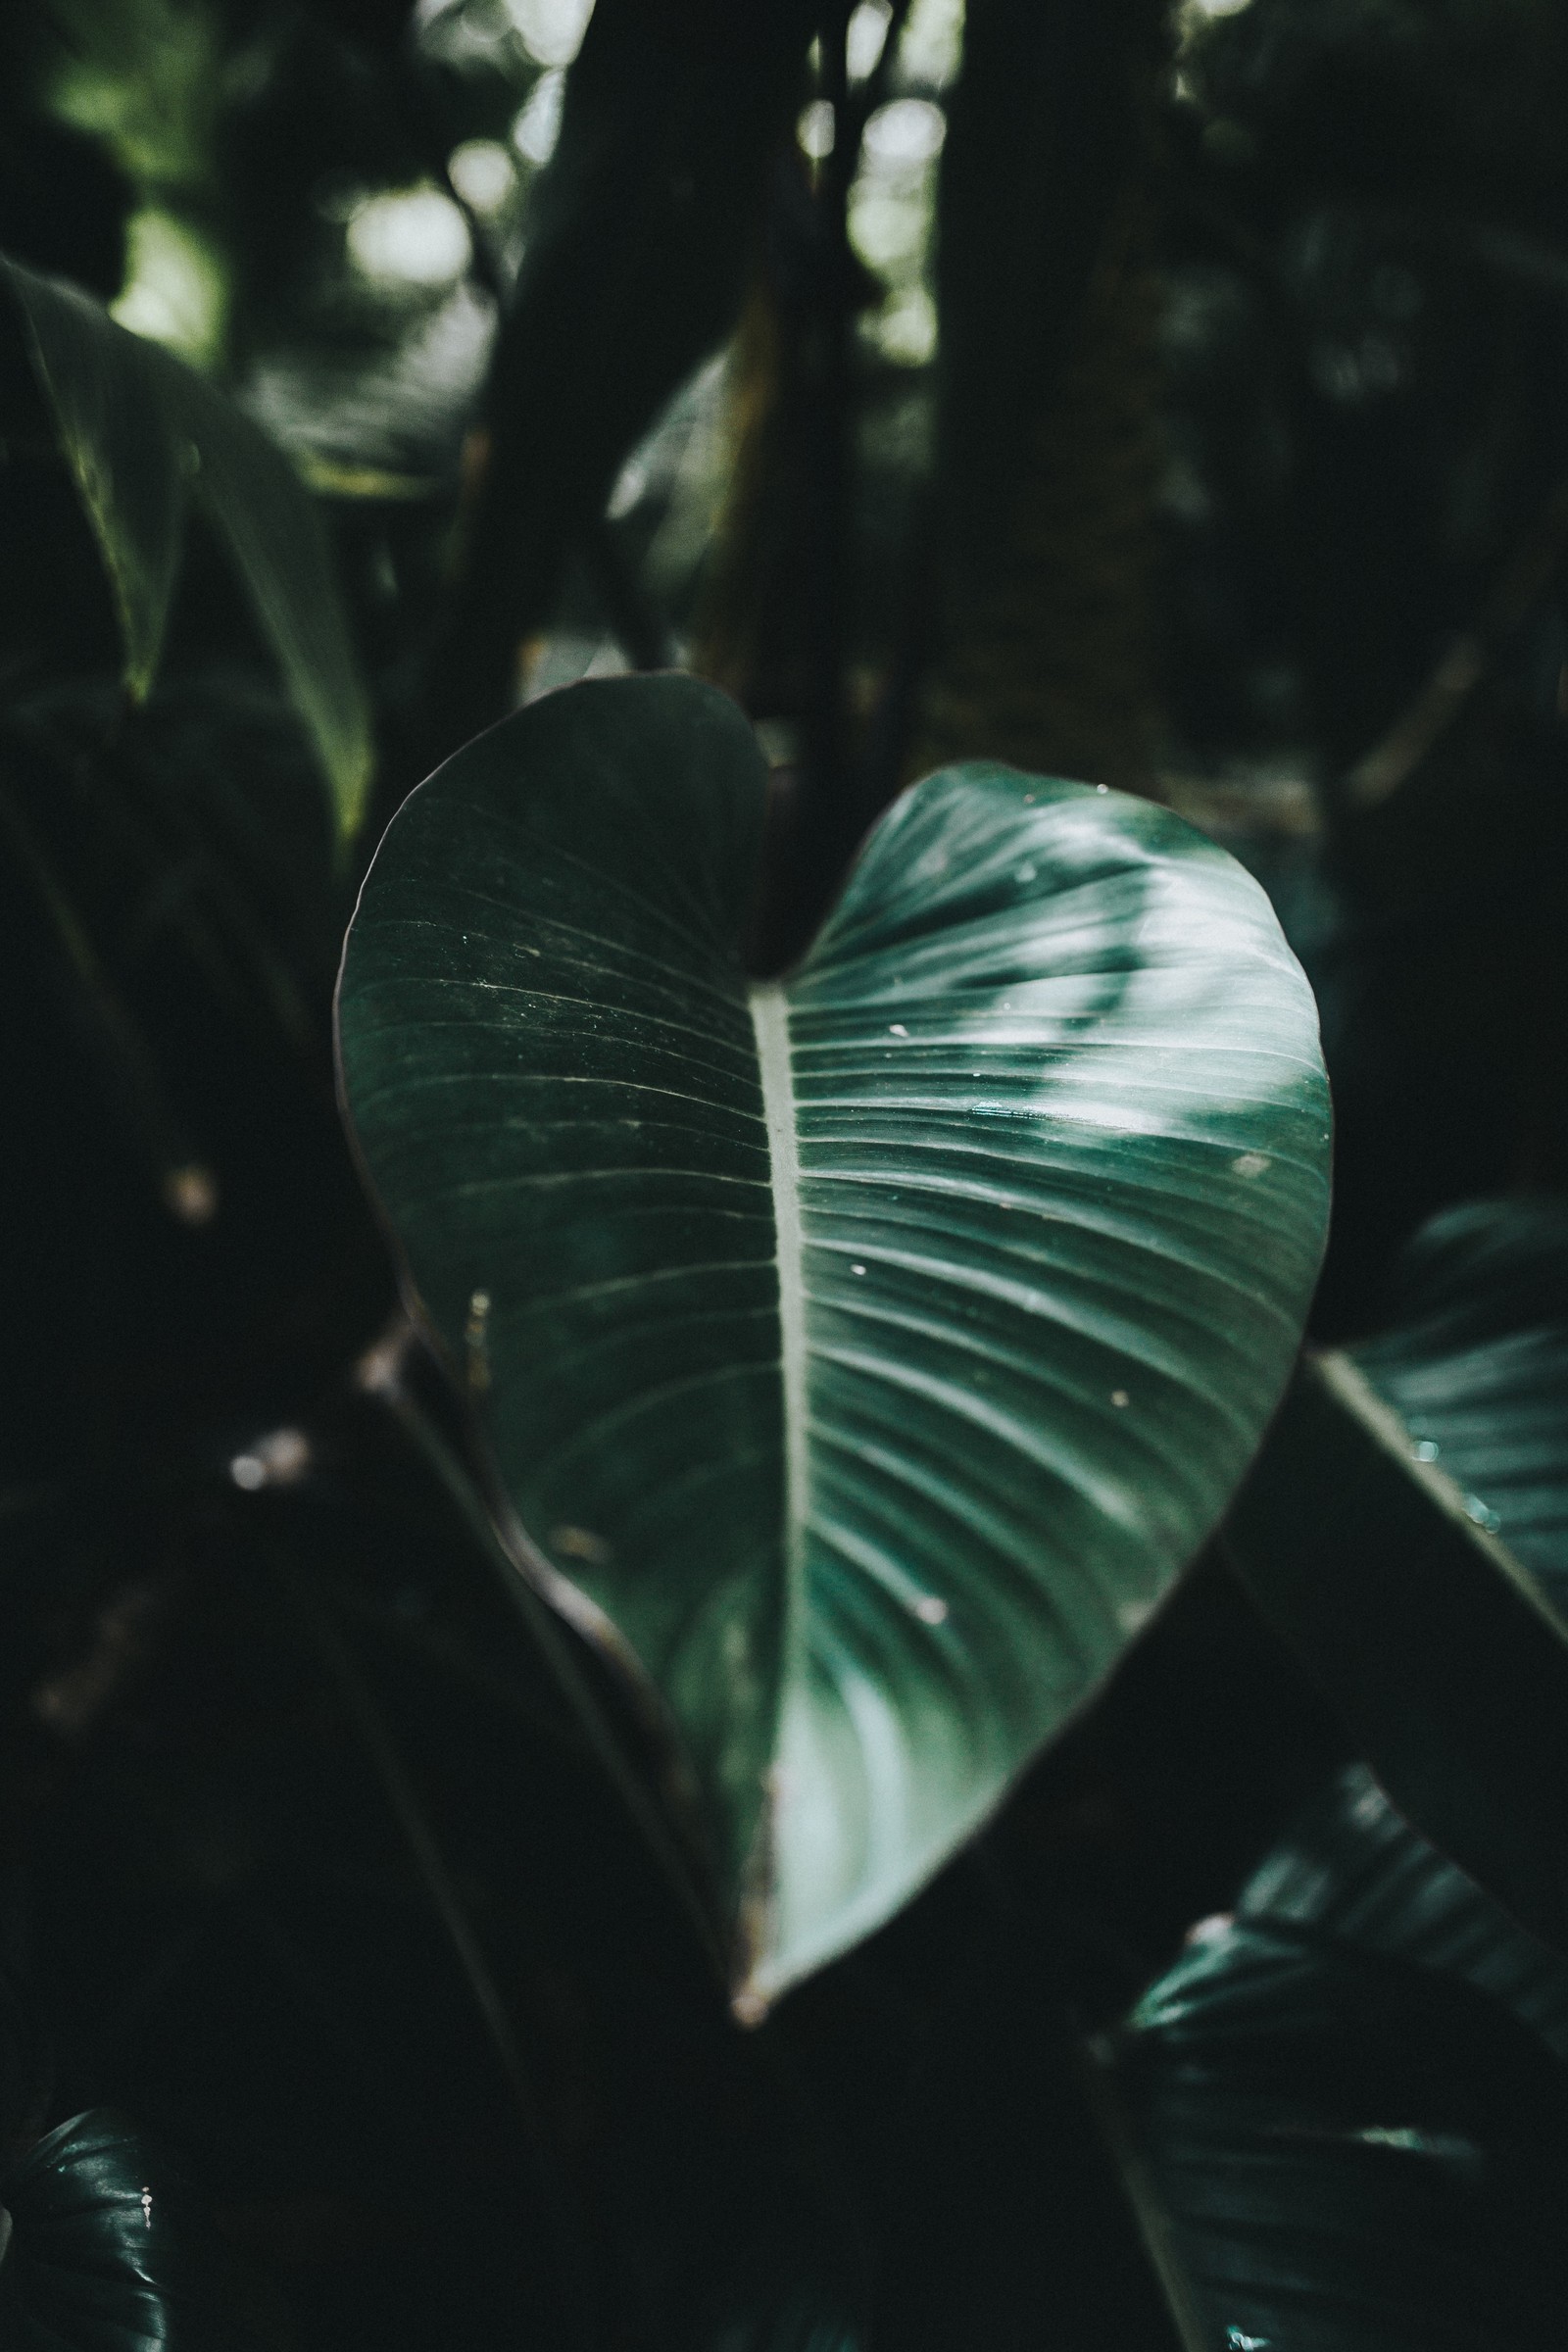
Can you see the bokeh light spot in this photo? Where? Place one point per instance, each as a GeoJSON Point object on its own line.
{"type": "Point", "coordinates": [482, 172]}
{"type": "Point", "coordinates": [550, 31]}
{"type": "Point", "coordinates": [909, 130]}
{"type": "Point", "coordinates": [537, 129]}
{"type": "Point", "coordinates": [817, 129]}
{"type": "Point", "coordinates": [174, 290]}
{"type": "Point", "coordinates": [867, 37]}
{"type": "Point", "coordinates": [410, 236]}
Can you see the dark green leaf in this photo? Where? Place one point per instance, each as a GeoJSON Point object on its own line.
{"type": "Point", "coordinates": [865, 1354]}
{"type": "Point", "coordinates": [1333, 2151]}
{"type": "Point", "coordinates": [1323, 2108]}
{"type": "Point", "coordinates": [261, 510]}
{"type": "Point", "coordinates": [801, 2324]}
{"type": "Point", "coordinates": [110, 2250]}
{"type": "Point", "coordinates": [123, 446]}
{"type": "Point", "coordinates": [136, 427]}
{"type": "Point", "coordinates": [1407, 1527]}
{"type": "Point", "coordinates": [1354, 1869]}
{"type": "Point", "coordinates": [1477, 1368]}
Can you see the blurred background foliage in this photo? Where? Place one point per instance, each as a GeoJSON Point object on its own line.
{"type": "Point", "coordinates": [1178, 398]}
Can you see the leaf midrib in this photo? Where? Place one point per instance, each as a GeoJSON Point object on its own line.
{"type": "Point", "coordinates": [769, 1011]}
{"type": "Point", "coordinates": [771, 1022]}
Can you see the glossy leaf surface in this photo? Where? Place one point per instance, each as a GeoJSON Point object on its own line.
{"type": "Point", "coordinates": [141, 433]}
{"type": "Point", "coordinates": [112, 2251]}
{"type": "Point", "coordinates": [1333, 2151]}
{"type": "Point", "coordinates": [1408, 1528]}
{"type": "Point", "coordinates": [1354, 1869]}
{"type": "Point", "coordinates": [864, 1354]}
{"type": "Point", "coordinates": [802, 2323]}
{"type": "Point", "coordinates": [1475, 1365]}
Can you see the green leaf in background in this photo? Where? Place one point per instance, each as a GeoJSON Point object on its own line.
{"type": "Point", "coordinates": [1335, 2151]}
{"type": "Point", "coordinates": [862, 1355]}
{"type": "Point", "coordinates": [140, 431]}
{"type": "Point", "coordinates": [1475, 1365]}
{"type": "Point", "coordinates": [802, 2323]}
{"type": "Point", "coordinates": [1352, 1868]}
{"type": "Point", "coordinates": [123, 447]}
{"type": "Point", "coordinates": [110, 2250]}
{"type": "Point", "coordinates": [1330, 2114]}
{"type": "Point", "coordinates": [1407, 1529]}
{"type": "Point", "coordinates": [261, 510]}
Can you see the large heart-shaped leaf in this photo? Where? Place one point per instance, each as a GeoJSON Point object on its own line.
{"type": "Point", "coordinates": [1407, 1527]}
{"type": "Point", "coordinates": [864, 1354]}
{"type": "Point", "coordinates": [109, 2249]}
{"type": "Point", "coordinates": [139, 431]}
